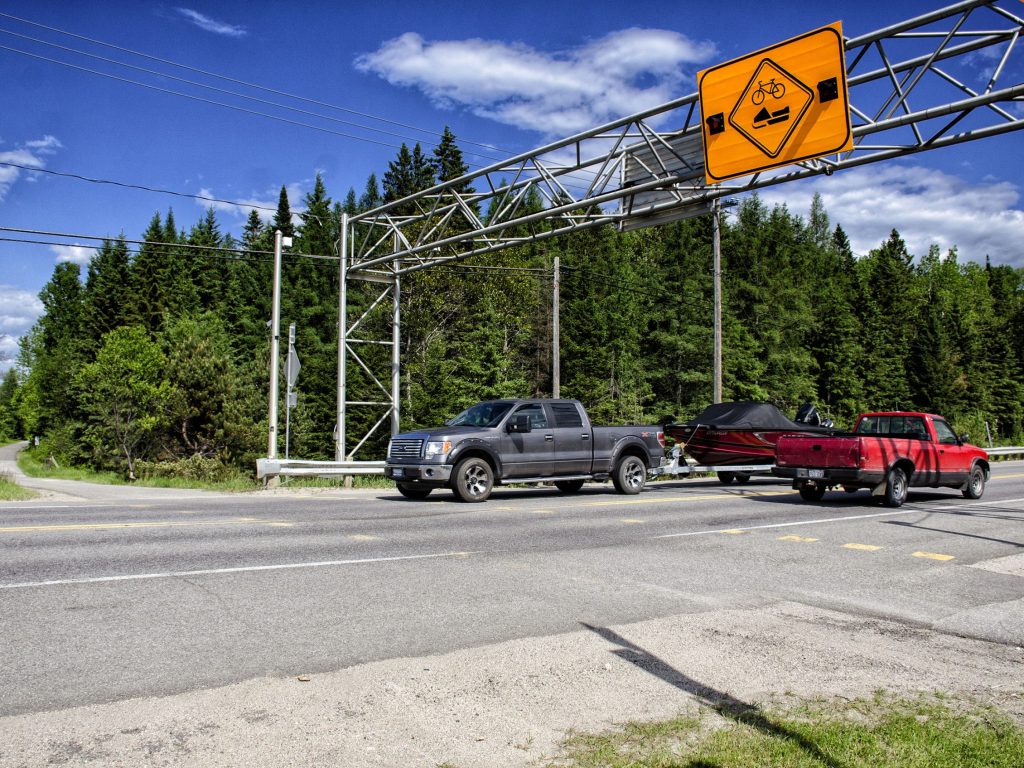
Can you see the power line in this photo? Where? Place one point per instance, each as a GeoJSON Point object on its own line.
{"type": "Point", "coordinates": [216, 89]}
{"type": "Point", "coordinates": [233, 80]}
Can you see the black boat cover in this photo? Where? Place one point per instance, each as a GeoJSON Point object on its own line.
{"type": "Point", "coordinates": [748, 415]}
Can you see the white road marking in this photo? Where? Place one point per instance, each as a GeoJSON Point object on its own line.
{"type": "Point", "coordinates": [241, 569]}
{"type": "Point", "coordinates": [787, 525]}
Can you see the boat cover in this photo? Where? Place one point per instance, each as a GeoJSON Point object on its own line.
{"type": "Point", "coordinates": [748, 415]}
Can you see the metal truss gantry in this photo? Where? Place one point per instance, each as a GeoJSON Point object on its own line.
{"type": "Point", "coordinates": [929, 82]}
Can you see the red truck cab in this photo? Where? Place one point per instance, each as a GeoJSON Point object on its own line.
{"type": "Point", "coordinates": [888, 452]}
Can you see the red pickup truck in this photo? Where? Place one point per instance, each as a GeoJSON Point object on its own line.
{"type": "Point", "coordinates": [888, 453]}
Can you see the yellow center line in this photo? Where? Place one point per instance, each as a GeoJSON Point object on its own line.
{"type": "Point", "coordinates": [933, 556]}
{"type": "Point", "coordinates": [806, 539]}
{"type": "Point", "coordinates": [705, 497]}
{"type": "Point", "coordinates": [862, 547]}
{"type": "Point", "coordinates": [162, 524]}
{"type": "Point", "coordinates": [735, 531]}
{"type": "Point", "coordinates": [363, 537]}
{"type": "Point", "coordinates": [633, 520]}
{"type": "Point", "coordinates": [1003, 477]}
{"type": "Point", "coordinates": [541, 511]}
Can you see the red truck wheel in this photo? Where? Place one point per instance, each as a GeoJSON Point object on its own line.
{"type": "Point", "coordinates": [896, 488]}
{"type": "Point", "coordinates": [975, 483]}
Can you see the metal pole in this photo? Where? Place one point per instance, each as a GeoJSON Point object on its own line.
{"type": "Point", "coordinates": [556, 352]}
{"type": "Point", "coordinates": [396, 358]}
{"type": "Point", "coordinates": [339, 439]}
{"type": "Point", "coordinates": [717, 271]}
{"type": "Point", "coordinates": [288, 390]}
{"type": "Point", "coordinates": [275, 352]}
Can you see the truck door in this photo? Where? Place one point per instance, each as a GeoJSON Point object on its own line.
{"type": "Point", "coordinates": [573, 440]}
{"type": "Point", "coordinates": [954, 459]}
{"type": "Point", "coordinates": [529, 454]}
{"type": "Point", "coordinates": [921, 448]}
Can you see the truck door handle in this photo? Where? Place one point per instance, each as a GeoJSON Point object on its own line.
{"type": "Point", "coordinates": [548, 438]}
{"type": "Point", "coordinates": [584, 437]}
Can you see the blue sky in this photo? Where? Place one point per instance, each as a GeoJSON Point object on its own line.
{"type": "Point", "coordinates": [505, 78]}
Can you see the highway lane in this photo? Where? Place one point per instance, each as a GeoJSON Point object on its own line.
{"type": "Point", "coordinates": [103, 601]}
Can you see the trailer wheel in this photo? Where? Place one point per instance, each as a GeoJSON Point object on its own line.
{"type": "Point", "coordinates": [630, 475]}
{"type": "Point", "coordinates": [812, 492]}
{"type": "Point", "coordinates": [568, 486]}
{"type": "Point", "coordinates": [726, 477]}
{"type": "Point", "coordinates": [472, 480]}
{"type": "Point", "coordinates": [975, 483]}
{"type": "Point", "coordinates": [896, 488]}
{"type": "Point", "coordinates": [413, 492]}
{"type": "Point", "coordinates": [742, 478]}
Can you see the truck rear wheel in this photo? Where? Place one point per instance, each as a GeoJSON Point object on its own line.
{"type": "Point", "coordinates": [896, 488]}
{"type": "Point", "coordinates": [413, 492]}
{"type": "Point", "coordinates": [975, 483]}
{"type": "Point", "coordinates": [630, 475]}
{"type": "Point", "coordinates": [472, 480]}
{"type": "Point", "coordinates": [568, 486]}
{"type": "Point", "coordinates": [812, 492]}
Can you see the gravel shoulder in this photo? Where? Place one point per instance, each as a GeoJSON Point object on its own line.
{"type": "Point", "coordinates": [511, 704]}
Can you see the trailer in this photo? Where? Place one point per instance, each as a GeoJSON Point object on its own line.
{"type": "Point", "coordinates": [677, 464]}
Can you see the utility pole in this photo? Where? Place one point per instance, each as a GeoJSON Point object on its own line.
{"type": "Point", "coordinates": [275, 349]}
{"type": "Point", "coordinates": [717, 273]}
{"type": "Point", "coordinates": [556, 353]}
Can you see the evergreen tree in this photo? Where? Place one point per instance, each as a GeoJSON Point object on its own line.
{"type": "Point", "coordinates": [283, 217]}
{"type": "Point", "coordinates": [109, 300]}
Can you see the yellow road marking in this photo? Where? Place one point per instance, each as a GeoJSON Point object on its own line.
{"type": "Point", "coordinates": [933, 556]}
{"type": "Point", "coordinates": [707, 497]}
{"type": "Point", "coordinates": [363, 537]}
{"type": "Point", "coordinates": [106, 526]}
{"type": "Point", "coordinates": [541, 511]}
{"type": "Point", "coordinates": [734, 531]}
{"type": "Point", "coordinates": [862, 547]}
{"type": "Point", "coordinates": [633, 520]}
{"type": "Point", "coordinates": [797, 538]}
{"type": "Point", "coordinates": [1001, 477]}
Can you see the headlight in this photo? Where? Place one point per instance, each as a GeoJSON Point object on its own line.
{"type": "Point", "coordinates": [437, 448]}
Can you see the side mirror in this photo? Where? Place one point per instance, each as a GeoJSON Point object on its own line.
{"type": "Point", "coordinates": [519, 422]}
{"type": "Point", "coordinates": [964, 438]}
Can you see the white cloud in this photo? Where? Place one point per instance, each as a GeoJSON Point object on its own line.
{"type": "Point", "coordinates": [77, 254]}
{"type": "Point", "coordinates": [264, 206]}
{"type": "Point", "coordinates": [31, 154]}
{"type": "Point", "coordinates": [19, 309]}
{"type": "Point", "coordinates": [924, 205]}
{"type": "Point", "coordinates": [212, 25]}
{"type": "Point", "coordinates": [620, 74]}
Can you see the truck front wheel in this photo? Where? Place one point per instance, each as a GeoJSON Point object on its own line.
{"type": "Point", "coordinates": [975, 483]}
{"type": "Point", "coordinates": [896, 488]}
{"type": "Point", "coordinates": [472, 480]}
{"type": "Point", "coordinates": [630, 475]}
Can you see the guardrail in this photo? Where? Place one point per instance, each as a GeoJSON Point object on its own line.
{"type": "Point", "coordinates": [295, 467]}
{"type": "Point", "coordinates": [1013, 450]}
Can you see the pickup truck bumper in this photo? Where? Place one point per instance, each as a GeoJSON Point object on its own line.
{"type": "Point", "coordinates": [832, 475]}
{"type": "Point", "coordinates": [435, 474]}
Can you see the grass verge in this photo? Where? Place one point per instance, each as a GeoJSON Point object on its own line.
{"type": "Point", "coordinates": [13, 492]}
{"type": "Point", "coordinates": [882, 732]}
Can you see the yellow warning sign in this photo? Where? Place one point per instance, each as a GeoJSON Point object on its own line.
{"type": "Point", "coordinates": [776, 106]}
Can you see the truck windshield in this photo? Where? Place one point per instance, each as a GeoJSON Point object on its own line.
{"type": "Point", "coordinates": [481, 415]}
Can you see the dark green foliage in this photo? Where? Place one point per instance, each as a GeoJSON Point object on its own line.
{"type": "Point", "coordinates": [162, 357]}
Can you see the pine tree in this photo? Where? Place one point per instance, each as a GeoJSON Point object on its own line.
{"type": "Point", "coordinates": [283, 217]}
{"type": "Point", "coordinates": [109, 299]}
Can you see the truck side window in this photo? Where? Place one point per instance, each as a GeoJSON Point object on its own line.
{"type": "Point", "coordinates": [945, 433]}
{"type": "Point", "coordinates": [915, 428]}
{"type": "Point", "coordinates": [566, 415]}
{"type": "Point", "coordinates": [536, 413]}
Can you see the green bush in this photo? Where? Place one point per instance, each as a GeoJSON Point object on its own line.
{"type": "Point", "coordinates": [200, 468]}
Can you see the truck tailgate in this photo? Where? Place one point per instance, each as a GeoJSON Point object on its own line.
{"type": "Point", "coordinates": [817, 451]}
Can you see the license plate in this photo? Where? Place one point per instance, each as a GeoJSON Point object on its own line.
{"type": "Point", "coordinates": [397, 472]}
{"type": "Point", "coordinates": [816, 473]}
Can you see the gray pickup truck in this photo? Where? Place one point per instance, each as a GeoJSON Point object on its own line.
{"type": "Point", "coordinates": [522, 441]}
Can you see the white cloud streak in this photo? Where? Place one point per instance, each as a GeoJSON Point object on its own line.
{"type": "Point", "coordinates": [555, 94]}
{"type": "Point", "coordinates": [77, 254]}
{"type": "Point", "coordinates": [926, 206]}
{"type": "Point", "coordinates": [240, 209]}
{"type": "Point", "coordinates": [19, 310]}
{"type": "Point", "coordinates": [212, 25]}
{"type": "Point", "coordinates": [31, 154]}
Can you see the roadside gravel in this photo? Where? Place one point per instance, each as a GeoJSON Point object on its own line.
{"type": "Point", "coordinates": [511, 704]}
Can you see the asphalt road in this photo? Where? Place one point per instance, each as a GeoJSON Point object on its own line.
{"type": "Point", "coordinates": [156, 594]}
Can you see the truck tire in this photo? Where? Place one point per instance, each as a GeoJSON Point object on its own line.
{"type": "Point", "coordinates": [812, 492]}
{"type": "Point", "coordinates": [895, 488]}
{"type": "Point", "coordinates": [726, 477]}
{"type": "Point", "coordinates": [413, 492]}
{"type": "Point", "coordinates": [742, 478]}
{"type": "Point", "coordinates": [472, 480]}
{"type": "Point", "coordinates": [630, 475]}
{"type": "Point", "coordinates": [975, 483]}
{"type": "Point", "coordinates": [568, 486]}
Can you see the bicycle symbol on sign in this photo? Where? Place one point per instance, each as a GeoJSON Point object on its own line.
{"type": "Point", "coordinates": [777, 90]}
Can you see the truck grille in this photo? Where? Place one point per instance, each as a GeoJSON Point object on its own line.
{"type": "Point", "coordinates": [405, 449]}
